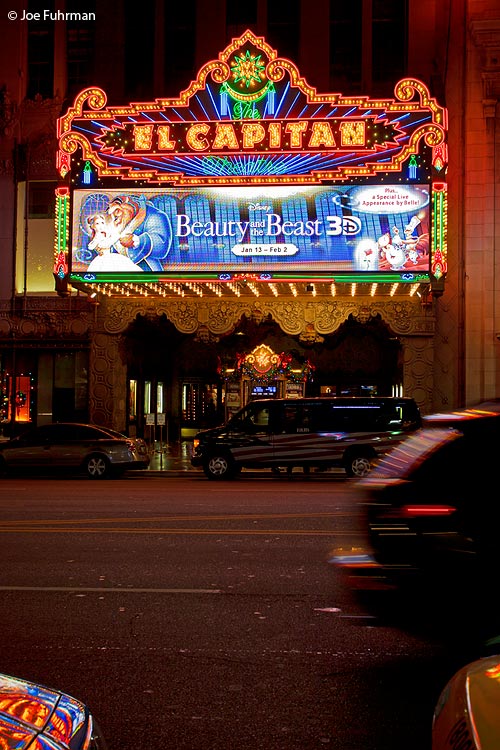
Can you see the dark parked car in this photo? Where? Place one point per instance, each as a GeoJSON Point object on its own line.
{"type": "Point", "coordinates": [429, 516]}
{"type": "Point", "coordinates": [33, 716]}
{"type": "Point", "coordinates": [96, 451]}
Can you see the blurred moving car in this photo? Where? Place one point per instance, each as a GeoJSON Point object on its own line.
{"type": "Point", "coordinates": [429, 515]}
{"type": "Point", "coordinates": [96, 451]}
{"type": "Point", "coordinates": [466, 714]}
{"type": "Point", "coordinates": [34, 717]}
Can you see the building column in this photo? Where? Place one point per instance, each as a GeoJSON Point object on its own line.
{"type": "Point", "coordinates": [418, 373]}
{"type": "Point", "coordinates": [108, 382]}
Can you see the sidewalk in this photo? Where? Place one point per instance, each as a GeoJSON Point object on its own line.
{"type": "Point", "coordinates": [171, 457]}
{"type": "Point", "coordinates": [175, 459]}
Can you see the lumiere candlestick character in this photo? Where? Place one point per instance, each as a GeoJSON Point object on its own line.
{"type": "Point", "coordinates": [416, 239]}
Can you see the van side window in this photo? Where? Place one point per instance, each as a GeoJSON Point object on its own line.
{"type": "Point", "coordinates": [296, 417]}
{"type": "Point", "coordinates": [358, 418]}
{"type": "Point", "coordinates": [410, 416]}
{"type": "Point", "coordinates": [399, 417]}
{"type": "Point", "coordinates": [260, 417]}
{"type": "Point", "coordinates": [325, 418]}
{"type": "Point", "coordinates": [253, 418]}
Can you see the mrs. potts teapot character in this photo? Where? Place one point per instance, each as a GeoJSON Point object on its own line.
{"type": "Point", "coordinates": [394, 254]}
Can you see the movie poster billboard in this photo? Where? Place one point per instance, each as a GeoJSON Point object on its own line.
{"type": "Point", "coordinates": [329, 230]}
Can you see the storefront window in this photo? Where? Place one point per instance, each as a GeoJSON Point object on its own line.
{"type": "Point", "coordinates": [70, 391]}
{"type": "Point", "coordinates": [21, 402]}
{"type": "Point", "coordinates": [147, 397]}
{"type": "Point", "coordinates": [201, 405]}
{"type": "Point", "coordinates": [132, 401]}
{"type": "Point", "coordinates": [159, 398]}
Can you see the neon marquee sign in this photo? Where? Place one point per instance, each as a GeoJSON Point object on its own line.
{"type": "Point", "coordinates": [310, 135]}
{"type": "Point", "coordinates": [250, 117]}
{"type": "Point", "coordinates": [376, 169]}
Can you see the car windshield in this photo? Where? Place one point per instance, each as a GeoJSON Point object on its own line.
{"type": "Point", "coordinates": [408, 455]}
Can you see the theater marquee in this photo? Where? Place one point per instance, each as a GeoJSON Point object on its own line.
{"type": "Point", "coordinates": [250, 170]}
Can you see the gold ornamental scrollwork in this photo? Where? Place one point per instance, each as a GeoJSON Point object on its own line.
{"type": "Point", "coordinates": [403, 317]}
{"type": "Point", "coordinates": [288, 314]}
{"type": "Point", "coordinates": [115, 316]}
{"type": "Point", "coordinates": [329, 315]}
{"type": "Point", "coordinates": [310, 336]}
{"type": "Point", "coordinates": [222, 317]}
{"type": "Point", "coordinates": [204, 336]}
{"type": "Point", "coordinates": [183, 314]}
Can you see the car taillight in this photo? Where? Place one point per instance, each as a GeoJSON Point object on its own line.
{"type": "Point", "coordinates": [196, 443]}
{"type": "Point", "coordinates": [414, 511]}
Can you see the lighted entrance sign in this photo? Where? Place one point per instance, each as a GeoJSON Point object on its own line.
{"type": "Point", "coordinates": [363, 179]}
{"type": "Point", "coordinates": [293, 230]}
{"type": "Point", "coordinates": [251, 117]}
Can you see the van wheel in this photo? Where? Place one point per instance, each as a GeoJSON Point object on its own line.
{"type": "Point", "coordinates": [219, 466]}
{"type": "Point", "coordinates": [358, 465]}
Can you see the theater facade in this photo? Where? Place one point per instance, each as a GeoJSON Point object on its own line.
{"type": "Point", "coordinates": [251, 237]}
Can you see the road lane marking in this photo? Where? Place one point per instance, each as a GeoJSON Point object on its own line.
{"type": "Point", "coordinates": [156, 519]}
{"type": "Point", "coordinates": [201, 532]}
{"type": "Point", "coordinates": [100, 590]}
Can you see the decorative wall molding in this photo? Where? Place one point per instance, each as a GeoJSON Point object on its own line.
{"type": "Point", "coordinates": [486, 36]}
{"type": "Point", "coordinates": [57, 327]}
{"type": "Point", "coordinates": [295, 317]}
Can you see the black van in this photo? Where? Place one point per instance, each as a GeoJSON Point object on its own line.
{"type": "Point", "coordinates": [317, 432]}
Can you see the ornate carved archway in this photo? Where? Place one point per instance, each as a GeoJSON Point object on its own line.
{"type": "Point", "coordinates": [413, 325]}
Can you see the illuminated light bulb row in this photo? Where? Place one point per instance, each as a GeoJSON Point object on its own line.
{"type": "Point", "coordinates": [159, 289]}
{"type": "Point", "coordinates": [215, 288]}
{"type": "Point", "coordinates": [194, 288]}
{"type": "Point", "coordinates": [253, 288]}
{"type": "Point", "coordinates": [177, 288]}
{"type": "Point", "coordinates": [122, 290]}
{"type": "Point", "coordinates": [199, 289]}
{"type": "Point", "coordinates": [137, 288]}
{"type": "Point", "coordinates": [248, 180]}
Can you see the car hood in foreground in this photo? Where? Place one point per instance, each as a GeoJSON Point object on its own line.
{"type": "Point", "coordinates": [467, 713]}
{"type": "Point", "coordinates": [35, 717]}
